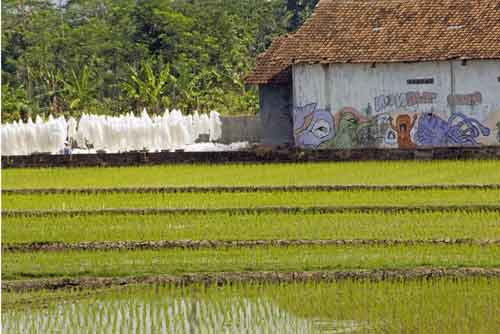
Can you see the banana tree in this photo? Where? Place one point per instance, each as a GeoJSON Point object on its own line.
{"type": "Point", "coordinates": [148, 90]}
{"type": "Point", "coordinates": [80, 89]}
{"type": "Point", "coordinates": [51, 88]}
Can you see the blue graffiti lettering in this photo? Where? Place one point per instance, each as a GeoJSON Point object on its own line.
{"type": "Point", "coordinates": [402, 100]}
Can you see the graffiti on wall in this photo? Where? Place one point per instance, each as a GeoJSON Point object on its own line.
{"type": "Point", "coordinates": [402, 100]}
{"type": "Point", "coordinates": [349, 128]}
{"type": "Point", "coordinates": [459, 129]}
{"type": "Point", "coordinates": [403, 127]}
{"type": "Point", "coordinates": [312, 126]}
{"type": "Point", "coordinates": [391, 138]}
{"type": "Point", "coordinates": [498, 132]}
{"type": "Point", "coordinates": [473, 99]}
{"type": "Point", "coordinates": [354, 129]}
{"type": "Point", "coordinates": [348, 122]}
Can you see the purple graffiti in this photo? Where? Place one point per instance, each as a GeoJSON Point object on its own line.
{"type": "Point", "coordinates": [402, 100]}
{"type": "Point", "coordinates": [312, 126]}
{"type": "Point", "coordinates": [458, 130]}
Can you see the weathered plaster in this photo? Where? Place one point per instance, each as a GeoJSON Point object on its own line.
{"type": "Point", "coordinates": [376, 106]}
{"type": "Point", "coordinates": [276, 114]}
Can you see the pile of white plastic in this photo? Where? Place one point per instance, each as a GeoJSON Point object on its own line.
{"type": "Point", "coordinates": [171, 131]}
{"type": "Point", "coordinates": [20, 138]}
{"type": "Point", "coordinates": [129, 133]}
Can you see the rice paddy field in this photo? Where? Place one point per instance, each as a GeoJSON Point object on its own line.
{"type": "Point", "coordinates": [371, 247]}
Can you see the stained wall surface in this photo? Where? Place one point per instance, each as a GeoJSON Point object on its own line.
{"type": "Point", "coordinates": [400, 105]}
{"type": "Point", "coordinates": [276, 114]}
{"type": "Point", "coordinates": [240, 129]}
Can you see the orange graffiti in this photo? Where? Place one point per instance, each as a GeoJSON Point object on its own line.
{"type": "Point", "coordinates": [404, 125]}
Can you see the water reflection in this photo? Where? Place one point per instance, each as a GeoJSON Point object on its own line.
{"type": "Point", "coordinates": [171, 315]}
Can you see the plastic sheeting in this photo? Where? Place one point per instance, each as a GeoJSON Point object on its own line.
{"type": "Point", "coordinates": [20, 138]}
{"type": "Point", "coordinates": [170, 131]}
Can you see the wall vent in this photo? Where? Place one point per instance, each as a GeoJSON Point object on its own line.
{"type": "Point", "coordinates": [425, 81]}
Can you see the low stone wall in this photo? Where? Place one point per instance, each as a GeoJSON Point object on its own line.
{"type": "Point", "coordinates": [240, 129]}
{"type": "Point", "coordinates": [258, 155]}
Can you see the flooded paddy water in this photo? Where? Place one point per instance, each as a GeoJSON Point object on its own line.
{"type": "Point", "coordinates": [471, 305]}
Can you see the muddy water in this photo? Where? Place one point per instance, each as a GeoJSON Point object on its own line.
{"type": "Point", "coordinates": [166, 314]}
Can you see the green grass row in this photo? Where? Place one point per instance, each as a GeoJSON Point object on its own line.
{"type": "Point", "coordinates": [435, 306]}
{"type": "Point", "coordinates": [245, 200]}
{"type": "Point", "coordinates": [306, 258]}
{"type": "Point", "coordinates": [405, 226]}
{"type": "Point", "coordinates": [374, 173]}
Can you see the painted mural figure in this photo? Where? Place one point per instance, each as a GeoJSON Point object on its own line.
{"type": "Point", "coordinates": [403, 128]}
{"type": "Point", "coordinates": [391, 138]}
{"type": "Point", "coordinates": [458, 130]}
{"type": "Point", "coordinates": [465, 130]}
{"type": "Point", "coordinates": [312, 126]}
{"type": "Point", "coordinates": [352, 130]}
{"type": "Point", "coordinates": [348, 129]}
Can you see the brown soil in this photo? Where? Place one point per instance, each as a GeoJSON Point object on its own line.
{"type": "Point", "coordinates": [250, 277]}
{"type": "Point", "coordinates": [259, 210]}
{"type": "Point", "coordinates": [198, 244]}
{"type": "Point", "coordinates": [238, 189]}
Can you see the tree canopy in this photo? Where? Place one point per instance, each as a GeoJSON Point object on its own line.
{"type": "Point", "coordinates": [115, 56]}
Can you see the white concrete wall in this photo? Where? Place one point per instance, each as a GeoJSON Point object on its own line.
{"type": "Point", "coordinates": [374, 93]}
{"type": "Point", "coordinates": [483, 77]}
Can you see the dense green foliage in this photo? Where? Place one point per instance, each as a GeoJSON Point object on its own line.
{"type": "Point", "coordinates": [374, 173]}
{"type": "Point", "coordinates": [103, 56]}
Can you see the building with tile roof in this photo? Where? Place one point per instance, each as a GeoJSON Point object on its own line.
{"type": "Point", "coordinates": [385, 73]}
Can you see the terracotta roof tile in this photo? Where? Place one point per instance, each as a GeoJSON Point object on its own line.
{"type": "Point", "coordinates": [369, 31]}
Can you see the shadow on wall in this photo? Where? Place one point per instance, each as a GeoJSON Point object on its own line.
{"type": "Point", "coordinates": [349, 128]}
